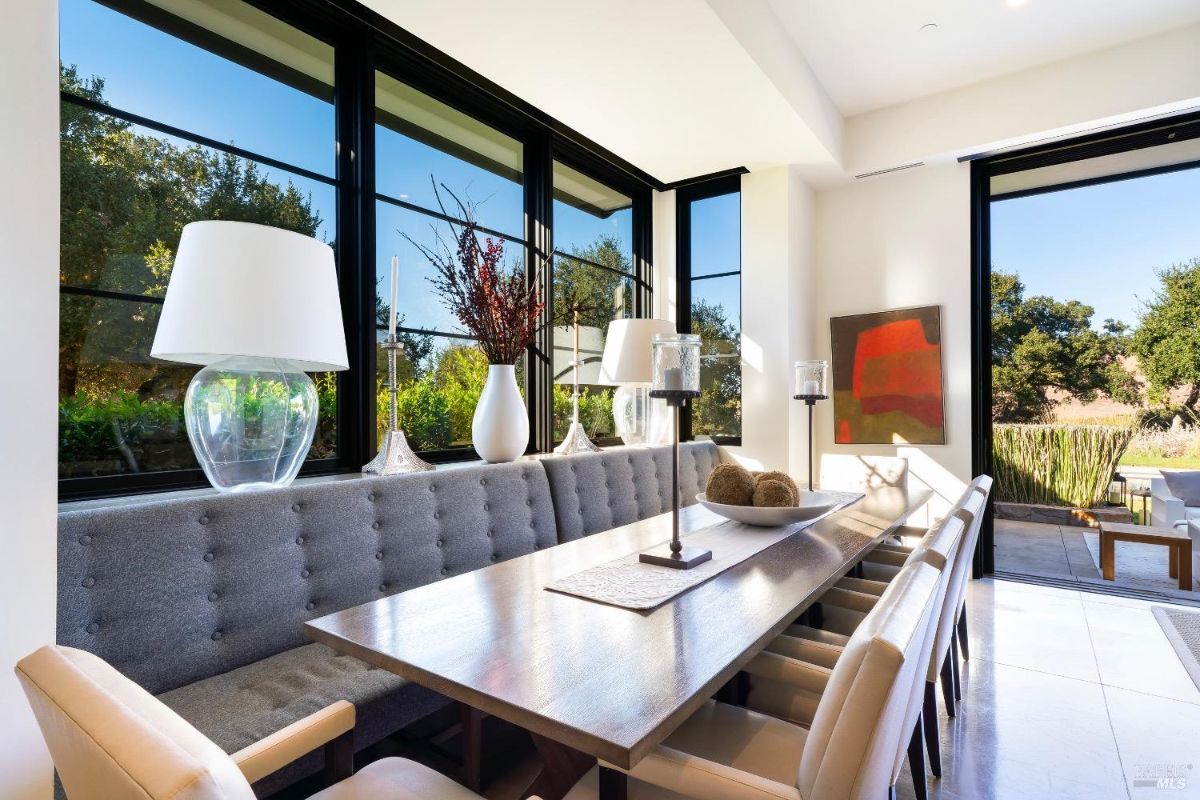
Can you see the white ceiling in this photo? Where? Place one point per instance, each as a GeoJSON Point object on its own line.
{"type": "Point", "coordinates": [663, 84]}
{"type": "Point", "coordinates": [871, 53]}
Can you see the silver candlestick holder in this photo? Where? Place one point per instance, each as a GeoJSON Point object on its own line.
{"type": "Point", "coordinates": [395, 456]}
{"type": "Point", "coordinates": [576, 440]}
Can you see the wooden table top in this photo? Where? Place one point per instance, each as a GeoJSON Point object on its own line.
{"type": "Point", "coordinates": [1148, 533]}
{"type": "Point", "coordinates": [604, 680]}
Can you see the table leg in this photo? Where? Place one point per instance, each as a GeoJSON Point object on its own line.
{"type": "Point", "coordinates": [1107, 557]}
{"type": "Point", "coordinates": [562, 767]}
{"type": "Point", "coordinates": [1173, 561]}
{"type": "Point", "coordinates": [614, 784]}
{"type": "Point", "coordinates": [472, 747]}
{"type": "Point", "coordinates": [1185, 565]}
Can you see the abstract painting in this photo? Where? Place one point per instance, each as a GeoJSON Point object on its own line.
{"type": "Point", "coordinates": [887, 377]}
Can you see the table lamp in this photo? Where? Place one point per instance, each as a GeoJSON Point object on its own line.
{"type": "Point", "coordinates": [638, 419]}
{"type": "Point", "coordinates": [675, 362]}
{"type": "Point", "coordinates": [257, 307]}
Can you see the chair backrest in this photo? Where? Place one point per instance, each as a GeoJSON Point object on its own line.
{"type": "Point", "coordinates": [970, 509]}
{"type": "Point", "coordinates": [859, 724]}
{"type": "Point", "coordinates": [939, 549]}
{"type": "Point", "coordinates": [110, 738]}
{"type": "Point", "coordinates": [594, 492]}
{"type": "Point", "coordinates": [173, 591]}
{"type": "Point", "coordinates": [859, 473]}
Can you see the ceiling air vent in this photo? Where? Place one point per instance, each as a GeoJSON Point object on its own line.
{"type": "Point", "coordinates": [889, 169]}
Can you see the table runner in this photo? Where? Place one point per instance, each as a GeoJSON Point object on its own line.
{"type": "Point", "coordinates": [628, 583]}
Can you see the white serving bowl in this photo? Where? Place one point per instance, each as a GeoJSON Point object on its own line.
{"type": "Point", "coordinates": [812, 504]}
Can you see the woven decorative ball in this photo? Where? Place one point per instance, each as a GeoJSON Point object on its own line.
{"type": "Point", "coordinates": [730, 484]}
{"type": "Point", "coordinates": [782, 477]}
{"type": "Point", "coordinates": [773, 494]}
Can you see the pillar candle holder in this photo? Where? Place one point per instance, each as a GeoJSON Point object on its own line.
{"type": "Point", "coordinates": [676, 379]}
{"type": "Point", "coordinates": [811, 377]}
{"type": "Point", "coordinates": [395, 456]}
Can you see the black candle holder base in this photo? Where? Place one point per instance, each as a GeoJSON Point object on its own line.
{"type": "Point", "coordinates": [686, 558]}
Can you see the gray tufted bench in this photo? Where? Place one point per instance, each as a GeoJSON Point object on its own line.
{"type": "Point", "coordinates": [594, 492]}
{"type": "Point", "coordinates": [202, 600]}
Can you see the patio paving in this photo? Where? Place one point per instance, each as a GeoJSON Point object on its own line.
{"type": "Point", "coordinates": [1063, 552]}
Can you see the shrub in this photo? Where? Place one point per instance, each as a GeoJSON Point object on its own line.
{"type": "Point", "coordinates": [423, 413]}
{"type": "Point", "coordinates": [1060, 465]}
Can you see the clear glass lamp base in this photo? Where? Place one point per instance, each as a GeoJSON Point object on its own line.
{"type": "Point", "coordinates": [638, 418]}
{"type": "Point", "coordinates": [251, 422]}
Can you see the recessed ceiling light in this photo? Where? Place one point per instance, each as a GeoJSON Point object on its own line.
{"type": "Point", "coordinates": [929, 26]}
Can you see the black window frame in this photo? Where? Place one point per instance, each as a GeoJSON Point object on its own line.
{"type": "Point", "coordinates": [687, 193]}
{"type": "Point", "coordinates": [363, 41]}
{"type": "Point", "coordinates": [984, 167]}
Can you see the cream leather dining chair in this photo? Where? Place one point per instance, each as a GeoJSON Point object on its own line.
{"type": "Point", "coordinates": [847, 606]}
{"type": "Point", "coordinates": [847, 750]}
{"type": "Point", "coordinates": [110, 739]}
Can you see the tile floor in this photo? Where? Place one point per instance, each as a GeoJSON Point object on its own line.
{"type": "Point", "coordinates": [1068, 694]}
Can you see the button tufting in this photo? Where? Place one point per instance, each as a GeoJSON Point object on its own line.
{"type": "Point", "coordinates": [295, 506]}
{"type": "Point", "coordinates": [379, 556]}
{"type": "Point", "coordinates": [444, 570]}
{"type": "Point", "coordinates": [487, 507]}
{"type": "Point", "coordinates": [93, 627]}
{"type": "Point", "coordinates": [208, 556]}
{"type": "Point", "coordinates": [371, 497]}
{"type": "Point", "coordinates": [432, 487]}
{"type": "Point", "coordinates": [216, 636]}
{"type": "Point", "coordinates": [573, 468]}
{"type": "Point", "coordinates": [576, 490]}
{"type": "Point", "coordinates": [437, 515]}
{"type": "Point", "coordinates": [493, 557]}
{"type": "Point", "coordinates": [383, 587]}
{"type": "Point", "coordinates": [299, 540]}
{"type": "Point", "coordinates": [440, 543]}
{"type": "Point", "coordinates": [85, 539]}
{"type": "Point", "coordinates": [376, 525]}
{"type": "Point", "coordinates": [491, 532]}
{"type": "Point", "coordinates": [483, 481]}
{"type": "Point", "coordinates": [309, 606]}
{"type": "Point", "coordinates": [212, 597]}
{"type": "Point", "coordinates": [204, 520]}
{"type": "Point", "coordinates": [89, 582]}
{"type": "Point", "coordinates": [304, 573]}
{"type": "Point", "coordinates": [529, 502]}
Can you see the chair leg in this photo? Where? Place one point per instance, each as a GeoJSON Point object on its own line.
{"type": "Point", "coordinates": [614, 784]}
{"type": "Point", "coordinates": [916, 761]}
{"type": "Point", "coordinates": [929, 722]}
{"type": "Point", "coordinates": [954, 668]}
{"type": "Point", "coordinates": [962, 633]}
{"type": "Point", "coordinates": [339, 758]}
{"type": "Point", "coordinates": [948, 685]}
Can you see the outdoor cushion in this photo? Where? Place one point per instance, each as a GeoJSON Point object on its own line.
{"type": "Point", "coordinates": [594, 492]}
{"type": "Point", "coordinates": [247, 704]}
{"type": "Point", "coordinates": [1184, 484]}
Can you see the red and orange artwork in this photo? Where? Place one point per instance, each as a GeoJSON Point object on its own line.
{"type": "Point", "coordinates": [887, 377]}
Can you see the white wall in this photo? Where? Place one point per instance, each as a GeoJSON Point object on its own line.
{"type": "Point", "coordinates": [895, 241]}
{"type": "Point", "coordinates": [28, 395]}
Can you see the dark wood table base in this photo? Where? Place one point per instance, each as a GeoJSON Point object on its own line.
{"type": "Point", "coordinates": [562, 767]}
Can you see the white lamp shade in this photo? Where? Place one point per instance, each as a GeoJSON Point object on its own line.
{"type": "Point", "coordinates": [627, 350]}
{"type": "Point", "coordinates": [240, 289]}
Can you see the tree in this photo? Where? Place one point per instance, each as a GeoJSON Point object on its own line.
{"type": "Point", "coordinates": [1040, 344]}
{"type": "Point", "coordinates": [1167, 341]}
{"type": "Point", "coordinates": [718, 410]}
{"type": "Point", "coordinates": [602, 291]}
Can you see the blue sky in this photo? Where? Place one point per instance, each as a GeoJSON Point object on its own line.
{"type": "Point", "coordinates": [1100, 244]}
{"type": "Point", "coordinates": [157, 76]}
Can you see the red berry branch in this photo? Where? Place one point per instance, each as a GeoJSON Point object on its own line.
{"type": "Point", "coordinates": [495, 304]}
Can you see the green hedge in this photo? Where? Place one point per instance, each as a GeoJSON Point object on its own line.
{"type": "Point", "coordinates": [1058, 465]}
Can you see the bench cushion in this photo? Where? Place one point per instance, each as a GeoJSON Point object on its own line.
{"type": "Point", "coordinates": [247, 704]}
{"type": "Point", "coordinates": [175, 591]}
{"type": "Point", "coordinates": [594, 492]}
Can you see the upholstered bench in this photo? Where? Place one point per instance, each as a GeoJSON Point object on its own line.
{"type": "Point", "coordinates": [202, 601]}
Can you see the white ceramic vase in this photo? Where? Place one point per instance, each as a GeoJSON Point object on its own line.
{"type": "Point", "coordinates": [500, 427]}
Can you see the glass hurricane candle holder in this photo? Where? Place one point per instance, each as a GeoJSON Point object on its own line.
{"type": "Point", "coordinates": [675, 364]}
{"type": "Point", "coordinates": [811, 377]}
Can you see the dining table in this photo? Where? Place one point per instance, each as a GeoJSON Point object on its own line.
{"type": "Point", "coordinates": [592, 681]}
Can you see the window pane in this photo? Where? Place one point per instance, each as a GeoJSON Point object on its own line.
{"type": "Point", "coordinates": [716, 235]}
{"type": "Point", "coordinates": [127, 192]}
{"type": "Point", "coordinates": [440, 380]}
{"type": "Point", "coordinates": [152, 73]}
{"type": "Point", "coordinates": [121, 411]}
{"type": "Point", "coordinates": [591, 220]}
{"type": "Point", "coordinates": [419, 141]}
{"type": "Point", "coordinates": [716, 317]}
{"type": "Point", "coordinates": [395, 231]}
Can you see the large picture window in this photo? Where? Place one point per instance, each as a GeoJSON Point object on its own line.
{"type": "Point", "coordinates": [158, 131]}
{"type": "Point", "coordinates": [710, 281]}
{"type": "Point", "coordinates": [306, 117]}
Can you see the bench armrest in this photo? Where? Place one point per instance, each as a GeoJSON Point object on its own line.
{"type": "Point", "coordinates": [298, 739]}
